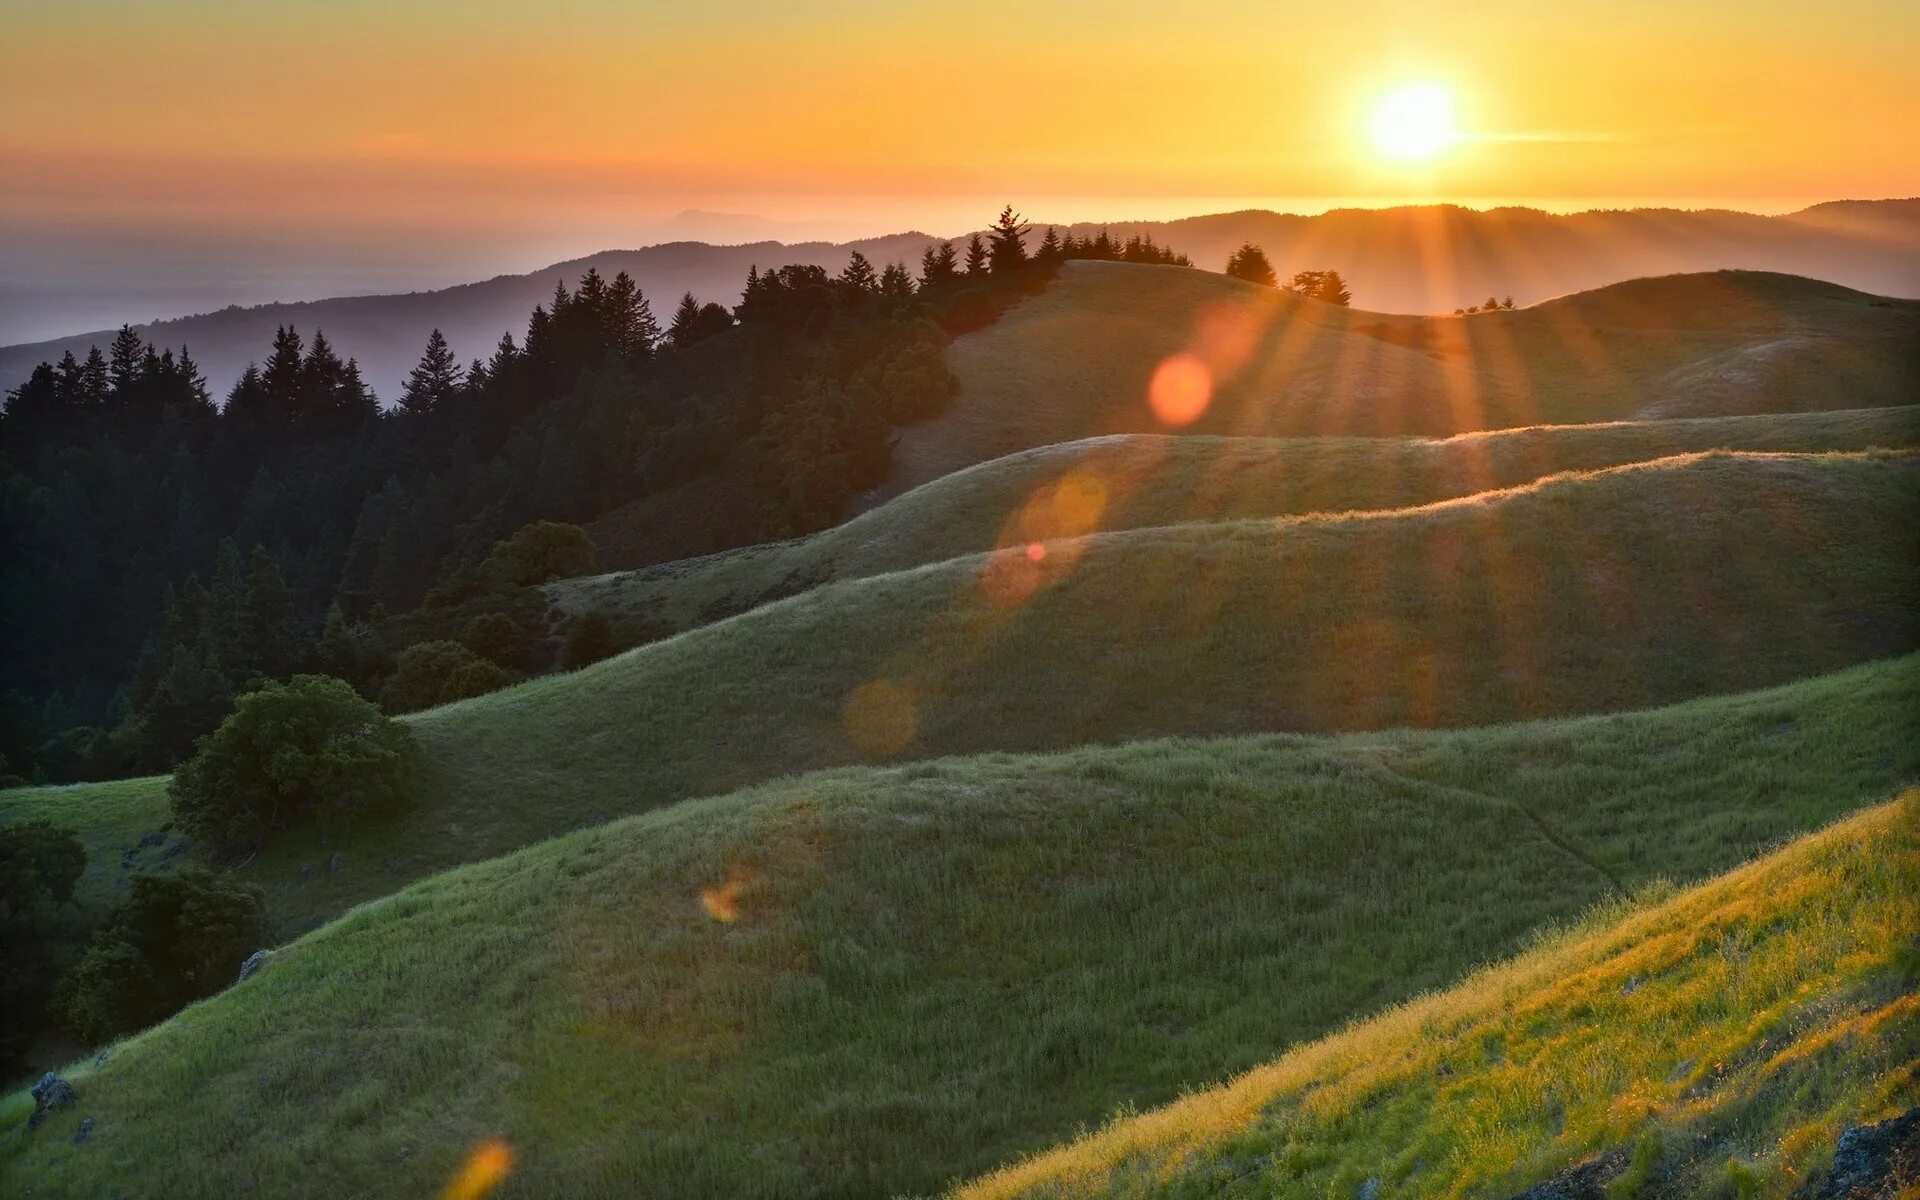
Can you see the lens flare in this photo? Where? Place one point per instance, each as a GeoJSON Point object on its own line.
{"type": "Point", "coordinates": [485, 1169]}
{"type": "Point", "coordinates": [880, 717]}
{"type": "Point", "coordinates": [722, 902]}
{"type": "Point", "coordinates": [1180, 391]}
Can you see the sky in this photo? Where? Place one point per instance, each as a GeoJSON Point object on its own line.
{"type": "Point", "coordinates": [255, 150]}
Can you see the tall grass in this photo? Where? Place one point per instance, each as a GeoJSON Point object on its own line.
{"type": "Point", "coordinates": [881, 980]}
{"type": "Point", "coordinates": [1143, 480]}
{"type": "Point", "coordinates": [1076, 361]}
{"type": "Point", "coordinates": [1717, 1044]}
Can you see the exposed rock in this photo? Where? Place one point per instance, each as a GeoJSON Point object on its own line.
{"type": "Point", "coordinates": [1875, 1162]}
{"type": "Point", "coordinates": [50, 1093]}
{"type": "Point", "coordinates": [1370, 1190]}
{"type": "Point", "coordinates": [1585, 1180]}
{"type": "Point", "coordinates": [254, 962]}
{"type": "Point", "coordinates": [1632, 985]}
{"type": "Point", "coordinates": [306, 872]}
{"type": "Point", "coordinates": [337, 863]}
{"type": "Point", "coordinates": [85, 1131]}
{"type": "Point", "coordinates": [152, 838]}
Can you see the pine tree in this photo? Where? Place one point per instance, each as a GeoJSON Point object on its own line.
{"type": "Point", "coordinates": [859, 276]}
{"type": "Point", "coordinates": [433, 381]}
{"type": "Point", "coordinates": [1250, 263]}
{"type": "Point", "coordinates": [281, 377]}
{"type": "Point", "coordinates": [685, 316]}
{"type": "Point", "coordinates": [1049, 246]}
{"type": "Point", "coordinates": [938, 265]}
{"type": "Point", "coordinates": [95, 379]}
{"type": "Point", "coordinates": [270, 620]}
{"type": "Point", "coordinates": [895, 284]}
{"type": "Point", "coordinates": [631, 325]}
{"type": "Point", "coordinates": [976, 256]}
{"type": "Point", "coordinates": [124, 356]}
{"type": "Point", "coordinates": [1009, 242]}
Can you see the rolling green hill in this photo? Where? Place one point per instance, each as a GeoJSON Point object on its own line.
{"type": "Point", "coordinates": [882, 980]}
{"type": "Point", "coordinates": [1142, 480]}
{"type": "Point", "coordinates": [1076, 361]}
{"type": "Point", "coordinates": [1714, 1045]}
{"type": "Point", "coordinates": [1597, 592]}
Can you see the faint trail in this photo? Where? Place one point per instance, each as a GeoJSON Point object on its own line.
{"type": "Point", "coordinates": [1565, 846]}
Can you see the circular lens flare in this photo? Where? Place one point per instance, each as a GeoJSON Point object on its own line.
{"type": "Point", "coordinates": [1414, 123]}
{"type": "Point", "coordinates": [1181, 389]}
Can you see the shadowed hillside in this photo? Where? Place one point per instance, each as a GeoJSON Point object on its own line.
{"type": "Point", "coordinates": [1717, 1044]}
{"type": "Point", "coordinates": [871, 982]}
{"type": "Point", "coordinates": [1079, 360]}
{"type": "Point", "coordinates": [1140, 480]}
{"type": "Point", "coordinates": [1583, 593]}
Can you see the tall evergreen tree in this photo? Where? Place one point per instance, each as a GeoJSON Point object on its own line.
{"type": "Point", "coordinates": [938, 265]}
{"type": "Point", "coordinates": [859, 276]}
{"type": "Point", "coordinates": [1250, 263]}
{"type": "Point", "coordinates": [124, 358]}
{"type": "Point", "coordinates": [1009, 251]}
{"type": "Point", "coordinates": [686, 315]}
{"type": "Point", "coordinates": [976, 256]}
{"type": "Point", "coordinates": [433, 381]}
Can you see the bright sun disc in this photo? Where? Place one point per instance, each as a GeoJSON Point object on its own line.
{"type": "Point", "coordinates": [1414, 123]}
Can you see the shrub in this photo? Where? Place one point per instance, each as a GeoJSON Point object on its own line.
{"type": "Point", "coordinates": [176, 939]}
{"type": "Point", "coordinates": [541, 551]}
{"type": "Point", "coordinates": [430, 673]}
{"type": "Point", "coordinates": [499, 639]}
{"type": "Point", "coordinates": [39, 865]}
{"type": "Point", "coordinates": [308, 747]}
{"type": "Point", "coordinates": [588, 641]}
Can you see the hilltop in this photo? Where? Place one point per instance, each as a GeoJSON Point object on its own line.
{"type": "Point", "coordinates": [1136, 481]}
{"type": "Point", "coordinates": [1077, 361]}
{"type": "Point", "coordinates": [1393, 257]}
{"type": "Point", "coordinates": [878, 980]}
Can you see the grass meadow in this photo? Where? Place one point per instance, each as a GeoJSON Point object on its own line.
{"type": "Point", "coordinates": [1077, 361]}
{"type": "Point", "coordinates": [1139, 481]}
{"type": "Point", "coordinates": [887, 980]}
{"type": "Point", "coordinates": [1717, 1042]}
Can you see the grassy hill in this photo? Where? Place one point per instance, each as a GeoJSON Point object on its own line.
{"type": "Point", "coordinates": [1141, 480]}
{"type": "Point", "coordinates": [1597, 592]}
{"type": "Point", "coordinates": [1076, 361]}
{"type": "Point", "coordinates": [1714, 1045]}
{"type": "Point", "coordinates": [882, 980]}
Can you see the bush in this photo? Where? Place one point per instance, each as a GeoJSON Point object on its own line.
{"type": "Point", "coordinates": [541, 551]}
{"type": "Point", "coordinates": [588, 641]}
{"type": "Point", "coordinates": [176, 939]}
{"type": "Point", "coordinates": [39, 865]}
{"type": "Point", "coordinates": [499, 639]}
{"type": "Point", "coordinates": [430, 673]}
{"type": "Point", "coordinates": [310, 747]}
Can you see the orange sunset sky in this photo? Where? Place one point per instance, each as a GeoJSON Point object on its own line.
{"type": "Point", "coordinates": [350, 111]}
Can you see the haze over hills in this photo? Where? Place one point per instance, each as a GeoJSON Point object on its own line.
{"type": "Point", "coordinates": [1403, 260]}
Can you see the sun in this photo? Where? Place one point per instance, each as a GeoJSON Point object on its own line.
{"type": "Point", "coordinates": [1414, 123]}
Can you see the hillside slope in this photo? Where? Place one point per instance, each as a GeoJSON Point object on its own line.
{"type": "Point", "coordinates": [877, 980]}
{"type": "Point", "coordinates": [1077, 361]}
{"type": "Point", "coordinates": [1609, 591]}
{"type": "Point", "coordinates": [1714, 1045]}
{"type": "Point", "coordinates": [1140, 480]}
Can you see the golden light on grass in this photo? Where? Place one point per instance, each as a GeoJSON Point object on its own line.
{"type": "Point", "coordinates": [485, 1169]}
{"type": "Point", "coordinates": [880, 717]}
{"type": "Point", "coordinates": [1413, 123]}
{"type": "Point", "coordinates": [1180, 390]}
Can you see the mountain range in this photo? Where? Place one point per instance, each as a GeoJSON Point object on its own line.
{"type": "Point", "coordinates": [1409, 260]}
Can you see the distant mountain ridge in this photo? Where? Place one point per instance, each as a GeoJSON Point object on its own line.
{"type": "Point", "coordinates": [1416, 259]}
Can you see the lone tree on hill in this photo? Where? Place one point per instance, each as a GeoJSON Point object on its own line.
{"type": "Point", "coordinates": [1250, 263]}
{"type": "Point", "coordinates": [434, 381]}
{"type": "Point", "coordinates": [1325, 286]}
{"type": "Point", "coordinates": [1009, 242]}
{"type": "Point", "coordinates": [307, 748]}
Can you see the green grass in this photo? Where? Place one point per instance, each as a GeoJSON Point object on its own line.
{"type": "Point", "coordinates": [1075, 361]}
{"type": "Point", "coordinates": [1719, 1042]}
{"type": "Point", "coordinates": [1144, 480]}
{"type": "Point", "coordinates": [1587, 593]}
{"type": "Point", "coordinates": [109, 819]}
{"type": "Point", "coordinates": [938, 967]}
